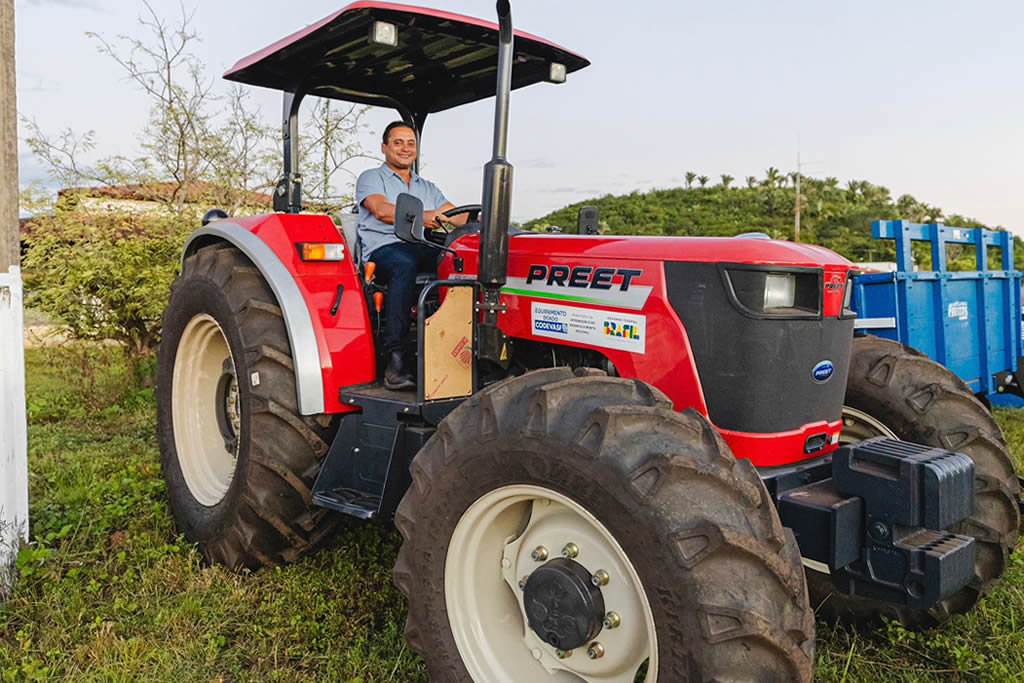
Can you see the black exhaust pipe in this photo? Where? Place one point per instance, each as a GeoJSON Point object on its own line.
{"type": "Point", "coordinates": [497, 202]}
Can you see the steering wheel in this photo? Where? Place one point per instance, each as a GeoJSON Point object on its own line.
{"type": "Point", "coordinates": [472, 209]}
{"type": "Point", "coordinates": [474, 216]}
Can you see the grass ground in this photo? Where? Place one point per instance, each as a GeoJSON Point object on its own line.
{"type": "Point", "coordinates": [109, 592]}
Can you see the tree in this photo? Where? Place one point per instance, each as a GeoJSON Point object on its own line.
{"type": "Point", "coordinates": [179, 138]}
{"type": "Point", "coordinates": [726, 179]}
{"type": "Point", "coordinates": [703, 180]}
{"type": "Point", "coordinates": [330, 142]}
{"type": "Point", "coordinates": [771, 177]}
{"type": "Point", "coordinates": [105, 275]}
{"type": "Point", "coordinates": [690, 177]}
{"type": "Point", "coordinates": [835, 219]}
{"type": "Point", "coordinates": [751, 181]}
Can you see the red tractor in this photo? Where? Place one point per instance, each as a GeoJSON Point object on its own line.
{"type": "Point", "coordinates": [624, 456]}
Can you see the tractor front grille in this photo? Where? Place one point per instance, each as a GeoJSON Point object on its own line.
{"type": "Point", "coordinates": [759, 375]}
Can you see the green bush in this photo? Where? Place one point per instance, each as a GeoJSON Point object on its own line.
{"type": "Point", "coordinates": [106, 275]}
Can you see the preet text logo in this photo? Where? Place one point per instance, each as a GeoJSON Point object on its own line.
{"type": "Point", "coordinates": [620, 330]}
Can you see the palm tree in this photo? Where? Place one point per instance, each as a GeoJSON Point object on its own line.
{"type": "Point", "coordinates": [726, 179]}
{"type": "Point", "coordinates": [751, 181]}
{"type": "Point", "coordinates": [690, 177]}
{"type": "Point", "coordinates": [831, 182]}
{"type": "Point", "coordinates": [771, 176]}
{"type": "Point", "coordinates": [932, 213]}
{"type": "Point", "coordinates": [703, 180]}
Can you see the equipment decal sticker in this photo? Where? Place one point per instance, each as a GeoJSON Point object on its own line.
{"type": "Point", "coordinates": [583, 284]}
{"type": "Point", "coordinates": [957, 310]}
{"type": "Point", "coordinates": [607, 329]}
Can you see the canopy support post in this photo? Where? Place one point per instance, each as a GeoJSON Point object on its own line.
{"type": "Point", "coordinates": [288, 193]}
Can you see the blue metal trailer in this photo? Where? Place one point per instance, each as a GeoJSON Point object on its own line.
{"type": "Point", "coordinates": [968, 321]}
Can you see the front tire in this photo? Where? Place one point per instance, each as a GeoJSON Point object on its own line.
{"type": "Point", "coordinates": [897, 392]}
{"type": "Point", "coordinates": [238, 458]}
{"type": "Point", "coordinates": [707, 583]}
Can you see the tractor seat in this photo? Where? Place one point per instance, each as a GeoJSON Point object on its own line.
{"type": "Point", "coordinates": [349, 221]}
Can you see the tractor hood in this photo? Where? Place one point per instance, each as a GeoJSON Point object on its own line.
{"type": "Point", "coordinates": [439, 60]}
{"type": "Point", "coordinates": [693, 249]}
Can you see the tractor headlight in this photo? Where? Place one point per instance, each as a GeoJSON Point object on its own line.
{"type": "Point", "coordinates": [779, 290]}
{"type": "Point", "coordinates": [774, 292]}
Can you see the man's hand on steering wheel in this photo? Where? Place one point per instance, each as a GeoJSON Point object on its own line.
{"type": "Point", "coordinates": [436, 219]}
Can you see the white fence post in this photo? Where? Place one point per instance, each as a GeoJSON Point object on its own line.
{"type": "Point", "coordinates": [13, 439]}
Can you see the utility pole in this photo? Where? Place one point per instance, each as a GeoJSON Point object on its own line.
{"type": "Point", "coordinates": [796, 224]}
{"type": "Point", "coordinates": [13, 430]}
{"type": "Point", "coordinates": [798, 209]}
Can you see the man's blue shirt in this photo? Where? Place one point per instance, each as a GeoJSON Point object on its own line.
{"type": "Point", "coordinates": [373, 233]}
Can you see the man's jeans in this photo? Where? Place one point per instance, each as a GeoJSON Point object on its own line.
{"type": "Point", "coordinates": [397, 264]}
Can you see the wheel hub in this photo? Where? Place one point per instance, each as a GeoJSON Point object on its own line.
{"type": "Point", "coordinates": [563, 606]}
{"type": "Point", "coordinates": [505, 618]}
{"type": "Point", "coordinates": [228, 414]}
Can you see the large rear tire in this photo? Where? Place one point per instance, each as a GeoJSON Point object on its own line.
{"type": "Point", "coordinates": [897, 392]}
{"type": "Point", "coordinates": [238, 458]}
{"type": "Point", "coordinates": [706, 583]}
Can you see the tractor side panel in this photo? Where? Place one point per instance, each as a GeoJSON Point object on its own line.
{"type": "Point", "coordinates": [611, 294]}
{"type": "Point", "coordinates": [617, 307]}
{"type": "Point", "coordinates": [343, 337]}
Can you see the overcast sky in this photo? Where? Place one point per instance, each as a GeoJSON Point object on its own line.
{"type": "Point", "coordinates": [922, 96]}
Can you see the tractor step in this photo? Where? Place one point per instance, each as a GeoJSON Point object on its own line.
{"type": "Point", "coordinates": [349, 501]}
{"type": "Point", "coordinates": [383, 406]}
{"type": "Point", "coordinates": [366, 471]}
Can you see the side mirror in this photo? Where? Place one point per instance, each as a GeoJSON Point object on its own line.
{"type": "Point", "coordinates": [409, 218]}
{"type": "Point", "coordinates": [586, 221]}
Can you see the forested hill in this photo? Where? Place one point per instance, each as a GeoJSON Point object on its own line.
{"type": "Point", "coordinates": [834, 216]}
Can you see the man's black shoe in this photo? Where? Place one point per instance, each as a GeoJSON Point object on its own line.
{"type": "Point", "coordinates": [395, 377]}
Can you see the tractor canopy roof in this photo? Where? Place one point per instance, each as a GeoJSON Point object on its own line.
{"type": "Point", "coordinates": [414, 59]}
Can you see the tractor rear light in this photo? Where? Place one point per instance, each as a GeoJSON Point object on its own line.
{"type": "Point", "coordinates": [316, 251]}
{"type": "Point", "coordinates": [556, 73]}
{"type": "Point", "coordinates": [779, 291]}
{"type": "Point", "coordinates": [384, 33]}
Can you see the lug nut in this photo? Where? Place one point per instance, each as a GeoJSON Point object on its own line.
{"type": "Point", "coordinates": [563, 654]}
{"type": "Point", "coordinates": [539, 554]}
{"type": "Point", "coordinates": [596, 650]}
{"type": "Point", "coordinates": [611, 620]}
{"type": "Point", "coordinates": [571, 550]}
{"type": "Point", "coordinates": [522, 583]}
{"type": "Point", "coordinates": [600, 578]}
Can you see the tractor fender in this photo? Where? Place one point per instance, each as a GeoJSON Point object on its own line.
{"type": "Point", "coordinates": [301, 335]}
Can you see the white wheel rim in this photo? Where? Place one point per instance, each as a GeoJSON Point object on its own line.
{"type": "Point", "coordinates": [197, 394]}
{"type": "Point", "coordinates": [491, 550]}
{"type": "Point", "coordinates": [858, 426]}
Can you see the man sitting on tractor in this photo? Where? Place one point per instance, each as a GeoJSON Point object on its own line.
{"type": "Point", "coordinates": [397, 262]}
